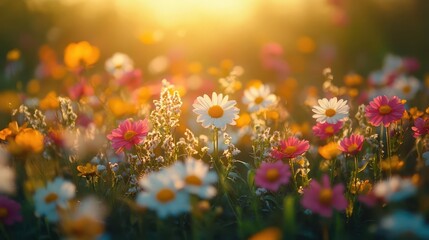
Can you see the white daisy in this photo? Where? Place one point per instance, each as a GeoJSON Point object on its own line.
{"type": "Point", "coordinates": [259, 98]}
{"type": "Point", "coordinates": [395, 189]}
{"type": "Point", "coordinates": [162, 194]}
{"type": "Point", "coordinates": [215, 112]}
{"type": "Point", "coordinates": [119, 64]}
{"type": "Point", "coordinates": [406, 87]}
{"type": "Point", "coordinates": [331, 111]}
{"type": "Point", "coordinates": [56, 194]}
{"type": "Point", "coordinates": [196, 177]}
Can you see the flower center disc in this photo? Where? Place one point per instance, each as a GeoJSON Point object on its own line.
{"type": "Point", "coordinates": [385, 109]}
{"type": "Point", "coordinates": [129, 134]}
{"type": "Point", "coordinates": [215, 111]}
{"type": "Point", "coordinates": [329, 130]}
{"type": "Point", "coordinates": [193, 180]}
{"type": "Point", "coordinates": [51, 197]}
{"type": "Point", "coordinates": [272, 174]}
{"type": "Point", "coordinates": [3, 212]}
{"type": "Point", "coordinates": [290, 149]}
{"type": "Point", "coordinates": [325, 196]}
{"type": "Point", "coordinates": [258, 100]}
{"type": "Point", "coordinates": [406, 89]}
{"type": "Point", "coordinates": [330, 112]}
{"type": "Point", "coordinates": [352, 147]}
{"type": "Point", "coordinates": [165, 195]}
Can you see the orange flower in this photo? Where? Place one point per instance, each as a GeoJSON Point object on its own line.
{"type": "Point", "coordinates": [329, 151]}
{"type": "Point", "coordinates": [50, 101]}
{"type": "Point", "coordinates": [271, 233]}
{"type": "Point", "coordinates": [27, 140]}
{"type": "Point", "coordinates": [121, 108]}
{"type": "Point", "coordinates": [81, 54]}
{"type": "Point", "coordinates": [353, 80]}
{"type": "Point", "coordinates": [12, 130]}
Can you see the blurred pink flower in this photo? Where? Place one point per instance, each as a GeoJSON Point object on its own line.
{"type": "Point", "coordinates": [271, 175]}
{"type": "Point", "coordinates": [351, 145]}
{"type": "Point", "coordinates": [131, 79]}
{"type": "Point", "coordinates": [80, 89]}
{"type": "Point", "coordinates": [321, 198]}
{"type": "Point", "coordinates": [384, 111]}
{"type": "Point", "coordinates": [290, 148]}
{"type": "Point", "coordinates": [421, 127]}
{"type": "Point", "coordinates": [325, 130]}
{"type": "Point", "coordinates": [128, 134]}
{"type": "Point", "coordinates": [9, 211]}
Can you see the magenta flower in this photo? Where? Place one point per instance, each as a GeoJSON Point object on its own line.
{"type": "Point", "coordinates": [321, 198]}
{"type": "Point", "coordinates": [9, 211]}
{"type": "Point", "coordinates": [421, 127]}
{"type": "Point", "coordinates": [290, 148]}
{"type": "Point", "coordinates": [351, 145]}
{"type": "Point", "coordinates": [325, 130]}
{"type": "Point", "coordinates": [271, 175]}
{"type": "Point", "coordinates": [383, 110]}
{"type": "Point", "coordinates": [128, 134]}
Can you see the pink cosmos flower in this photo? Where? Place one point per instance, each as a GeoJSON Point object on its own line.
{"type": "Point", "coordinates": [421, 127]}
{"type": "Point", "coordinates": [321, 198]}
{"type": "Point", "coordinates": [383, 110]}
{"type": "Point", "coordinates": [9, 211]}
{"type": "Point", "coordinates": [128, 134]}
{"type": "Point", "coordinates": [325, 130]}
{"type": "Point", "coordinates": [290, 148]}
{"type": "Point", "coordinates": [271, 175]}
{"type": "Point", "coordinates": [351, 145]}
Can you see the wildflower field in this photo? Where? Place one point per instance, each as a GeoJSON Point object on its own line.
{"type": "Point", "coordinates": [261, 120]}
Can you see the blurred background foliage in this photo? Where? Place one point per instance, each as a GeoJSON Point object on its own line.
{"type": "Point", "coordinates": [346, 35]}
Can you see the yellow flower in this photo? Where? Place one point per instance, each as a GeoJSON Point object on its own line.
{"type": "Point", "coordinates": [28, 140]}
{"type": "Point", "coordinates": [9, 100]}
{"type": "Point", "coordinates": [305, 44]}
{"type": "Point", "coordinates": [395, 163]}
{"type": "Point", "coordinates": [361, 187]}
{"type": "Point", "coordinates": [50, 101]}
{"type": "Point", "coordinates": [243, 120]}
{"type": "Point", "coordinates": [353, 80]}
{"type": "Point", "coordinates": [88, 170]}
{"type": "Point", "coordinates": [13, 55]}
{"type": "Point", "coordinates": [84, 228]}
{"type": "Point", "coordinates": [81, 54]}
{"type": "Point", "coordinates": [121, 108]}
{"type": "Point", "coordinates": [329, 151]}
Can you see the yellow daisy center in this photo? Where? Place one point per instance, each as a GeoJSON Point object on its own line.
{"type": "Point", "coordinates": [258, 100]}
{"type": "Point", "coordinates": [352, 147]}
{"type": "Point", "coordinates": [272, 174]}
{"type": "Point", "coordinates": [330, 112]}
{"type": "Point", "coordinates": [385, 109]}
{"type": "Point", "coordinates": [290, 149]}
{"type": "Point", "coordinates": [3, 212]}
{"type": "Point", "coordinates": [406, 89]}
{"type": "Point", "coordinates": [329, 130]}
{"type": "Point", "coordinates": [165, 195]}
{"type": "Point", "coordinates": [325, 196]}
{"type": "Point", "coordinates": [193, 180]}
{"type": "Point", "coordinates": [129, 135]}
{"type": "Point", "coordinates": [51, 197]}
{"type": "Point", "coordinates": [215, 111]}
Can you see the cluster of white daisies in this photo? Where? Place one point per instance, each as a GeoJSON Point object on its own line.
{"type": "Point", "coordinates": [168, 191]}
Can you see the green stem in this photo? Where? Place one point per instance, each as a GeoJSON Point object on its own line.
{"type": "Point", "coordinates": [293, 173]}
{"type": "Point", "coordinates": [356, 173]}
{"type": "Point", "coordinates": [4, 232]}
{"type": "Point", "coordinates": [333, 166]}
{"type": "Point", "coordinates": [389, 153]}
{"type": "Point", "coordinates": [380, 157]}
